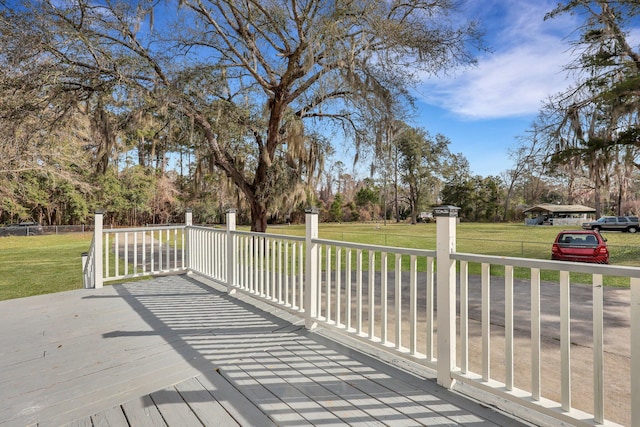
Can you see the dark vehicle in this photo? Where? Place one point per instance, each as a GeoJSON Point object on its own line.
{"type": "Point", "coordinates": [21, 229]}
{"type": "Point", "coordinates": [613, 223]}
{"type": "Point", "coordinates": [580, 246]}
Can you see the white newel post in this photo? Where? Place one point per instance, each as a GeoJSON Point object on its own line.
{"type": "Point", "coordinates": [97, 247]}
{"type": "Point", "coordinates": [186, 253]}
{"type": "Point", "coordinates": [311, 269]}
{"type": "Point", "coordinates": [446, 218]}
{"type": "Point", "coordinates": [231, 250]}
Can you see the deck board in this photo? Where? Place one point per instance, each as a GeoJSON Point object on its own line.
{"type": "Point", "coordinates": [112, 417]}
{"type": "Point", "coordinates": [174, 410]}
{"type": "Point", "coordinates": [204, 404]}
{"type": "Point", "coordinates": [143, 413]}
{"type": "Point", "coordinates": [246, 413]}
{"type": "Point", "coordinates": [181, 351]}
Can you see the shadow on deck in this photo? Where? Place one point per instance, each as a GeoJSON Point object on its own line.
{"type": "Point", "coordinates": [176, 351]}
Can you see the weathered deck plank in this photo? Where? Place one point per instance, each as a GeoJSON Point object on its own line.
{"type": "Point", "coordinates": [246, 414]}
{"type": "Point", "coordinates": [177, 351]}
{"type": "Point", "coordinates": [204, 404]}
{"type": "Point", "coordinates": [112, 417]}
{"type": "Point", "coordinates": [143, 413]}
{"type": "Point", "coordinates": [174, 410]}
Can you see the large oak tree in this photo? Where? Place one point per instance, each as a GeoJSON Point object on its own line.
{"type": "Point", "coordinates": [259, 79]}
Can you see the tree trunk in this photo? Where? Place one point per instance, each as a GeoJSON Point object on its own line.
{"type": "Point", "coordinates": [258, 216]}
{"type": "Point", "coordinates": [413, 200]}
{"type": "Point", "coordinates": [395, 195]}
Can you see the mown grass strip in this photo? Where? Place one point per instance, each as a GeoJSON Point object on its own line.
{"type": "Point", "coordinates": [41, 264]}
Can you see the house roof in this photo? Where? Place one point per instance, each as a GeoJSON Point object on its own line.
{"type": "Point", "coordinates": [551, 208]}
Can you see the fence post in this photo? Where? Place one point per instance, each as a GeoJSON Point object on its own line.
{"type": "Point", "coordinates": [98, 269]}
{"type": "Point", "coordinates": [186, 251]}
{"type": "Point", "coordinates": [311, 268]}
{"type": "Point", "coordinates": [635, 351]}
{"type": "Point", "coordinates": [446, 218]}
{"type": "Point", "coordinates": [231, 250]}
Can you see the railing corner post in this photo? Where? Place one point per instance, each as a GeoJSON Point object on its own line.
{"type": "Point", "coordinates": [312, 273]}
{"type": "Point", "coordinates": [231, 249]}
{"type": "Point", "coordinates": [446, 220]}
{"type": "Point", "coordinates": [98, 250]}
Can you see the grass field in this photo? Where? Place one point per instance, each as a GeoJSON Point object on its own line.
{"type": "Point", "coordinates": [41, 264]}
{"type": "Point", "coordinates": [514, 240]}
{"type": "Point", "coordinates": [52, 263]}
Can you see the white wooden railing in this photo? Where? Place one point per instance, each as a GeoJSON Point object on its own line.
{"type": "Point", "coordinates": [533, 398]}
{"type": "Point", "coordinates": [88, 264]}
{"type": "Point", "coordinates": [385, 296]}
{"type": "Point", "coordinates": [125, 253]}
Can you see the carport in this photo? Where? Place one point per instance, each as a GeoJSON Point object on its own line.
{"type": "Point", "coordinates": [552, 214]}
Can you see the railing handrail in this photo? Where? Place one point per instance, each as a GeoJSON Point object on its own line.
{"type": "Point", "coordinates": [205, 227]}
{"type": "Point", "coordinates": [141, 229]}
{"type": "Point", "coordinates": [574, 267]}
{"type": "Point", "coordinates": [269, 235]}
{"type": "Point", "coordinates": [377, 248]}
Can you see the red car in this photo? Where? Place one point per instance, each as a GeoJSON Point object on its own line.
{"type": "Point", "coordinates": [580, 246]}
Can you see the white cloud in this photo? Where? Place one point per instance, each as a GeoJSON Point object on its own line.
{"type": "Point", "coordinates": [525, 68]}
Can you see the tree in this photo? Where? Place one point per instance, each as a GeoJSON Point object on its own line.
{"type": "Point", "coordinates": [335, 210]}
{"type": "Point", "coordinates": [388, 160]}
{"type": "Point", "coordinates": [601, 112]}
{"type": "Point", "coordinates": [282, 66]}
{"type": "Point", "coordinates": [457, 190]}
{"type": "Point", "coordinates": [421, 159]}
{"type": "Point", "coordinates": [367, 200]}
{"type": "Point", "coordinates": [39, 136]}
{"type": "Point", "coordinates": [530, 157]}
{"type": "Point", "coordinates": [487, 198]}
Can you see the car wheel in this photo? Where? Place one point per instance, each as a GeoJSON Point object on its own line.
{"type": "Point", "coordinates": [596, 228]}
{"type": "Point", "coordinates": [632, 229]}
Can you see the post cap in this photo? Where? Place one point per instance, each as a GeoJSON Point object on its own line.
{"type": "Point", "coordinates": [99, 211]}
{"type": "Point", "coordinates": [231, 210]}
{"type": "Point", "coordinates": [312, 210]}
{"type": "Point", "coordinates": [189, 210]}
{"type": "Point", "coordinates": [446, 211]}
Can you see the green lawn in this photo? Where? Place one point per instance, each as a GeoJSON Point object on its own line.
{"type": "Point", "coordinates": [515, 240]}
{"type": "Point", "coordinates": [41, 264]}
{"type": "Point", "coordinates": [45, 264]}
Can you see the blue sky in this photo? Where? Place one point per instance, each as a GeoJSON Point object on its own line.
{"type": "Point", "coordinates": [483, 109]}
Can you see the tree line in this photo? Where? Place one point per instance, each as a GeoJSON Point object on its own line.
{"type": "Point", "coordinates": [146, 108]}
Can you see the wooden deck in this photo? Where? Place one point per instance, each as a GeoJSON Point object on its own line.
{"type": "Point", "coordinates": [176, 351]}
